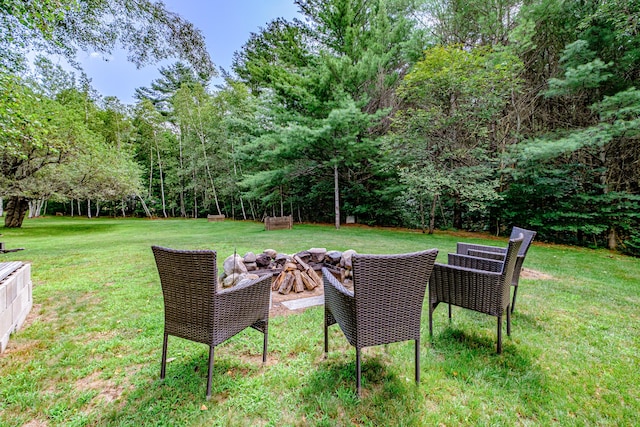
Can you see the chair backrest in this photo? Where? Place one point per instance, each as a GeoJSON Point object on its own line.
{"type": "Point", "coordinates": [189, 285]}
{"type": "Point", "coordinates": [510, 261]}
{"type": "Point", "coordinates": [389, 292]}
{"type": "Point", "coordinates": [528, 238]}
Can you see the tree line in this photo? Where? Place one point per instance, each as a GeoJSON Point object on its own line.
{"type": "Point", "coordinates": [430, 114]}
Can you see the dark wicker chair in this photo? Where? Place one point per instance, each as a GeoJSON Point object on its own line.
{"type": "Point", "coordinates": [498, 253]}
{"type": "Point", "coordinates": [477, 284]}
{"type": "Point", "coordinates": [385, 305]}
{"type": "Point", "coordinates": [194, 308]}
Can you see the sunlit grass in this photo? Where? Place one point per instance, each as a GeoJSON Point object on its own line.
{"type": "Point", "coordinates": [90, 351]}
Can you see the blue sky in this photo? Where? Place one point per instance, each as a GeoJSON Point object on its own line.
{"type": "Point", "coordinates": [225, 24]}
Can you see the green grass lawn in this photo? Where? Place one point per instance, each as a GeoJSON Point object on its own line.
{"type": "Point", "coordinates": [89, 353]}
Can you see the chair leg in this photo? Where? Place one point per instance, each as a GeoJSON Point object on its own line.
{"type": "Point", "coordinates": [430, 320]}
{"type": "Point", "coordinates": [417, 361]}
{"type": "Point", "coordinates": [358, 371]}
{"type": "Point", "coordinates": [326, 338]}
{"type": "Point", "coordinates": [449, 313]}
{"type": "Point", "coordinates": [210, 374]}
{"type": "Point", "coordinates": [513, 302]}
{"type": "Point", "coordinates": [508, 321]}
{"type": "Point", "coordinates": [499, 350]}
{"type": "Point", "coordinates": [163, 363]}
{"type": "Point", "coordinates": [264, 343]}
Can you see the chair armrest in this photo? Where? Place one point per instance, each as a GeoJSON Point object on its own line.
{"type": "Point", "coordinates": [482, 291]}
{"type": "Point", "coordinates": [241, 306]}
{"type": "Point", "coordinates": [463, 248]}
{"type": "Point", "coordinates": [335, 283]}
{"type": "Point", "coordinates": [251, 297]}
{"type": "Point", "coordinates": [247, 284]}
{"type": "Point", "coordinates": [475, 263]}
{"type": "Point", "coordinates": [487, 254]}
{"type": "Point", "coordinates": [459, 270]}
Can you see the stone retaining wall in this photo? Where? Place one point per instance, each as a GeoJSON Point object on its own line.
{"type": "Point", "coordinates": [16, 301]}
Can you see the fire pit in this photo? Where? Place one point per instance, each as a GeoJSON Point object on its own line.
{"type": "Point", "coordinates": [299, 272]}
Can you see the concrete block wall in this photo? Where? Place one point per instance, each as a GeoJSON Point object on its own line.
{"type": "Point", "coordinates": [16, 300]}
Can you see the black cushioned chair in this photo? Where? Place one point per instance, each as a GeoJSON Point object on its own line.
{"type": "Point", "coordinates": [195, 309]}
{"type": "Point", "coordinates": [477, 284]}
{"type": "Point", "coordinates": [498, 253]}
{"type": "Point", "coordinates": [385, 305]}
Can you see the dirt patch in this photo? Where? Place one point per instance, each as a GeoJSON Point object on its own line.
{"type": "Point", "coordinates": [36, 423]}
{"type": "Point", "coordinates": [526, 273]}
{"type": "Point", "coordinates": [107, 391]}
{"type": "Point", "coordinates": [278, 309]}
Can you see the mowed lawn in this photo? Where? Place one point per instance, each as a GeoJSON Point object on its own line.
{"type": "Point", "coordinates": [89, 353]}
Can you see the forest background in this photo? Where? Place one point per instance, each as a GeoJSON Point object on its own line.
{"type": "Point", "coordinates": [475, 114]}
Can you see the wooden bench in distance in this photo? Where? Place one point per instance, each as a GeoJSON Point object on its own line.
{"type": "Point", "coordinates": [278, 222]}
{"type": "Point", "coordinates": [214, 218]}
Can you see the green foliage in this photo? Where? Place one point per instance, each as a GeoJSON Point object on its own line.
{"type": "Point", "coordinates": [89, 354]}
{"type": "Point", "coordinates": [475, 114]}
{"type": "Point", "coordinates": [566, 203]}
{"type": "Point", "coordinates": [470, 23]}
{"type": "Point", "coordinates": [443, 141]}
{"type": "Point", "coordinates": [55, 145]}
{"type": "Point", "coordinates": [330, 81]}
{"type": "Point", "coordinates": [145, 28]}
{"type": "Point", "coordinates": [582, 70]}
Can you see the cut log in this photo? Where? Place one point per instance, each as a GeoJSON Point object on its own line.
{"type": "Point", "coordinates": [309, 270]}
{"type": "Point", "coordinates": [312, 273]}
{"type": "Point", "coordinates": [287, 284]}
{"type": "Point", "coordinates": [299, 285]}
{"type": "Point", "coordinates": [308, 281]}
{"type": "Point", "coordinates": [278, 281]}
{"type": "Point", "coordinates": [299, 260]}
{"type": "Point", "coordinates": [290, 266]}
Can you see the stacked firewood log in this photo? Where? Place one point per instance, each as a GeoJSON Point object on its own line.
{"type": "Point", "coordinates": [296, 275]}
{"type": "Point", "coordinates": [292, 273]}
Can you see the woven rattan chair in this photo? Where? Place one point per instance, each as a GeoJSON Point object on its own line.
{"type": "Point", "coordinates": [477, 284]}
{"type": "Point", "coordinates": [498, 253]}
{"type": "Point", "coordinates": [385, 305]}
{"type": "Point", "coordinates": [194, 308]}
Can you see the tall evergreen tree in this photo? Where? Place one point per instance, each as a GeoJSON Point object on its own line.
{"type": "Point", "coordinates": [333, 90]}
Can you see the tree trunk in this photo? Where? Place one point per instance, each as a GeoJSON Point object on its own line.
{"type": "Point", "coordinates": [183, 209]}
{"type": "Point", "coordinates": [144, 206]}
{"type": "Point", "coordinates": [244, 213]}
{"type": "Point", "coordinates": [35, 207]}
{"type": "Point", "coordinates": [1, 208]}
{"type": "Point", "coordinates": [613, 239]}
{"type": "Point", "coordinates": [457, 214]}
{"type": "Point", "coordinates": [432, 216]}
{"type": "Point", "coordinates": [281, 203]}
{"type": "Point", "coordinates": [15, 211]}
{"type": "Point", "coordinates": [202, 136]}
{"type": "Point", "coordinates": [336, 191]}
{"type": "Point", "coordinates": [422, 214]}
{"type": "Point", "coordinates": [160, 172]}
{"type": "Point", "coordinates": [150, 170]}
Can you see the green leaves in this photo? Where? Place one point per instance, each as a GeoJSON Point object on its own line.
{"type": "Point", "coordinates": [145, 28]}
